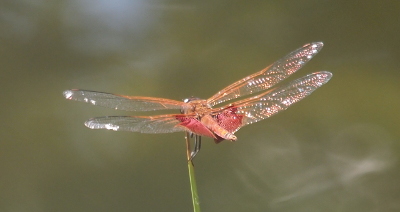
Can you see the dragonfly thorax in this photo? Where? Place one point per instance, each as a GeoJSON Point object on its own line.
{"type": "Point", "coordinates": [196, 105]}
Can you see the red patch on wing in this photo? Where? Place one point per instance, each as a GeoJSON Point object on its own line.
{"type": "Point", "coordinates": [195, 126]}
{"type": "Point", "coordinates": [229, 120]}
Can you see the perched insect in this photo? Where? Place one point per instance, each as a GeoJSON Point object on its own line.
{"type": "Point", "coordinates": [198, 116]}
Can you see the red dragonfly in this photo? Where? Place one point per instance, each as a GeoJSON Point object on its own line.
{"type": "Point", "coordinates": [198, 117]}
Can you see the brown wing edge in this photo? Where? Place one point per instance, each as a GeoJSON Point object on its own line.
{"type": "Point", "coordinates": [269, 103]}
{"type": "Point", "coordinates": [121, 102]}
{"type": "Point", "coordinates": [257, 82]}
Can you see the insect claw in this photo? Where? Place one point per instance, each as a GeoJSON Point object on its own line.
{"type": "Point", "coordinates": [196, 148]}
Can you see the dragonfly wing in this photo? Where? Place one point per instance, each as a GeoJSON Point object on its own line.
{"type": "Point", "coordinates": [142, 124]}
{"type": "Point", "coordinates": [119, 102]}
{"type": "Point", "coordinates": [265, 105]}
{"type": "Point", "coordinates": [269, 76]}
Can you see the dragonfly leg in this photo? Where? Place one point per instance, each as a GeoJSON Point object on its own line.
{"type": "Point", "coordinates": [196, 148]}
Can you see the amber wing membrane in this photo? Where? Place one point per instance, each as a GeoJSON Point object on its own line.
{"type": "Point", "coordinates": [271, 102]}
{"type": "Point", "coordinates": [142, 124]}
{"type": "Point", "coordinates": [269, 76]}
{"type": "Point", "coordinates": [120, 102]}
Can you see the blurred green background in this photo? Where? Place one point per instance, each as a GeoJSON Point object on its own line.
{"type": "Point", "coordinates": [337, 150]}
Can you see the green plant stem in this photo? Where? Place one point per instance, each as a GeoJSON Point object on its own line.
{"type": "Point", "coordinates": [192, 179]}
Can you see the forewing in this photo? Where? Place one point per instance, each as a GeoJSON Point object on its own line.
{"type": "Point", "coordinates": [120, 102]}
{"type": "Point", "coordinates": [265, 105]}
{"type": "Point", "coordinates": [142, 124]}
{"type": "Point", "coordinates": [269, 76]}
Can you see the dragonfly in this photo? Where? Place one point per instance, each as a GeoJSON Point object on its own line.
{"type": "Point", "coordinates": [200, 117]}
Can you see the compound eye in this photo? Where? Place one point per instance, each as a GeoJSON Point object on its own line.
{"type": "Point", "coordinates": [190, 99]}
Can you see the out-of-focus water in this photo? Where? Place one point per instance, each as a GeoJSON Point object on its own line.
{"type": "Point", "coordinates": [337, 150]}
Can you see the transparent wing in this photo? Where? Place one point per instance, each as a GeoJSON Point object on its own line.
{"type": "Point", "coordinates": [119, 102]}
{"type": "Point", "coordinates": [269, 76]}
{"type": "Point", "coordinates": [142, 124]}
{"type": "Point", "coordinates": [265, 105]}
